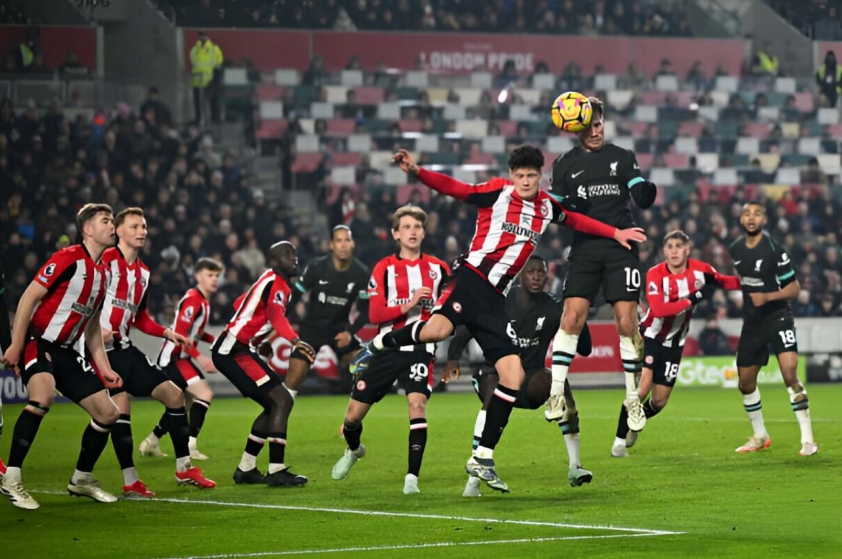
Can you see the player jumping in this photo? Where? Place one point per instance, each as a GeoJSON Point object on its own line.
{"type": "Point", "coordinates": [513, 214]}
{"type": "Point", "coordinates": [606, 176]}
{"type": "Point", "coordinates": [535, 316]}
{"type": "Point", "coordinates": [124, 308]}
{"type": "Point", "coordinates": [185, 366]}
{"type": "Point", "coordinates": [768, 283]}
{"type": "Point", "coordinates": [60, 305]}
{"type": "Point", "coordinates": [673, 289]}
{"type": "Point", "coordinates": [260, 309]}
{"type": "Point", "coordinates": [401, 292]}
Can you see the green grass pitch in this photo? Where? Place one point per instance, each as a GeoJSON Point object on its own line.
{"type": "Point", "coordinates": [683, 492]}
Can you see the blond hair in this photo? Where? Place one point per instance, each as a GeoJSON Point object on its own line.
{"type": "Point", "coordinates": [411, 211]}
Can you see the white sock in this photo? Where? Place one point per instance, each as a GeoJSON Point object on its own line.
{"type": "Point", "coordinates": [12, 475]}
{"type": "Point", "coordinates": [80, 477]}
{"type": "Point", "coordinates": [129, 476]}
{"type": "Point", "coordinates": [483, 452]}
{"type": "Point", "coordinates": [479, 425]}
{"type": "Point", "coordinates": [631, 366]}
{"type": "Point", "coordinates": [564, 349]}
{"type": "Point", "coordinates": [248, 462]}
{"type": "Point", "coordinates": [802, 412]}
{"type": "Point", "coordinates": [619, 442]}
{"type": "Point", "coordinates": [473, 481]}
{"type": "Point", "coordinates": [572, 442]}
{"type": "Point", "coordinates": [183, 464]}
{"type": "Point", "coordinates": [292, 392]}
{"type": "Point", "coordinates": [276, 468]}
{"type": "Point", "coordinates": [753, 407]}
{"type": "Point", "coordinates": [153, 439]}
{"type": "Point", "coordinates": [191, 443]}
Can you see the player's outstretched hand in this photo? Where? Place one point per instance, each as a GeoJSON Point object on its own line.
{"type": "Point", "coordinates": [406, 162]}
{"type": "Point", "coordinates": [759, 299]}
{"type": "Point", "coordinates": [450, 372]}
{"type": "Point", "coordinates": [343, 339]}
{"type": "Point", "coordinates": [304, 348]}
{"type": "Point", "coordinates": [632, 234]}
{"type": "Point", "coordinates": [177, 338]}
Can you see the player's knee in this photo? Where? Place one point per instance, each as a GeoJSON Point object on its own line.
{"type": "Point", "coordinates": [659, 402]}
{"type": "Point", "coordinates": [626, 326]}
{"type": "Point", "coordinates": [572, 320]}
{"type": "Point", "coordinates": [417, 409]}
{"type": "Point", "coordinates": [107, 415]}
{"type": "Point", "coordinates": [747, 386]}
{"type": "Point", "coordinates": [201, 391]}
{"type": "Point", "coordinates": [170, 395]}
{"type": "Point", "coordinates": [351, 425]}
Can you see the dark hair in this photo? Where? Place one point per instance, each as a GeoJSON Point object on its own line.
{"type": "Point", "coordinates": [206, 263]}
{"type": "Point", "coordinates": [88, 212]}
{"type": "Point", "coordinates": [677, 235]}
{"type": "Point", "coordinates": [539, 258]}
{"type": "Point", "coordinates": [755, 203]}
{"type": "Point", "coordinates": [598, 106]}
{"type": "Point", "coordinates": [340, 228]}
{"type": "Point", "coordinates": [121, 217]}
{"type": "Point", "coordinates": [526, 157]}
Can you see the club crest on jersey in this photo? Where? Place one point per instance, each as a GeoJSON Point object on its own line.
{"type": "Point", "coordinates": [544, 210]}
{"type": "Point", "coordinates": [48, 271]}
{"type": "Point", "coordinates": [360, 385]}
{"type": "Point", "coordinates": [613, 168]}
{"type": "Point", "coordinates": [757, 265]}
{"type": "Point", "coordinates": [582, 192]}
{"type": "Point", "coordinates": [143, 282]}
{"type": "Point", "coordinates": [540, 324]}
{"type": "Point", "coordinates": [456, 306]}
{"type": "Point", "coordinates": [372, 284]}
{"type": "Point", "coordinates": [350, 287]}
{"type": "Point", "coordinates": [433, 274]}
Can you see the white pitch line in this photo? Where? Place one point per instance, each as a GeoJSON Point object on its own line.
{"type": "Point", "coordinates": [641, 531]}
{"type": "Point", "coordinates": [412, 546]}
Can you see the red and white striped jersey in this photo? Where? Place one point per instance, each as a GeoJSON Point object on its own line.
{"type": "Point", "coordinates": [126, 296]}
{"type": "Point", "coordinates": [508, 227]}
{"type": "Point", "coordinates": [75, 291]}
{"type": "Point", "coordinates": [260, 309]}
{"type": "Point", "coordinates": [393, 282]}
{"type": "Point", "coordinates": [670, 310]}
{"type": "Point", "coordinates": [191, 317]}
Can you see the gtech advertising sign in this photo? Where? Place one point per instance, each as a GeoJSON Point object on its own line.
{"type": "Point", "coordinates": [722, 371]}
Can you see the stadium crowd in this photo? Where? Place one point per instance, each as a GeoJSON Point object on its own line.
{"type": "Point", "coordinates": [602, 17]}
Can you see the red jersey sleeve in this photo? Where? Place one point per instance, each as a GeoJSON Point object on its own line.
{"type": "Point", "coordinates": [481, 195]}
{"type": "Point", "coordinates": [276, 310]}
{"type": "Point", "coordinates": [145, 323]}
{"type": "Point", "coordinates": [60, 265]}
{"type": "Point", "coordinates": [655, 296]}
{"type": "Point", "coordinates": [378, 310]}
{"type": "Point", "coordinates": [187, 314]}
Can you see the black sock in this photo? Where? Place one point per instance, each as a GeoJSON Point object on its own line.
{"type": "Point", "coordinates": [649, 410]}
{"type": "Point", "coordinates": [24, 432]}
{"type": "Point", "coordinates": [352, 433]}
{"type": "Point", "coordinates": [175, 422]}
{"type": "Point", "coordinates": [570, 426]}
{"type": "Point", "coordinates": [254, 444]}
{"type": "Point", "coordinates": [417, 442]}
{"type": "Point", "coordinates": [499, 410]}
{"type": "Point", "coordinates": [197, 416]}
{"type": "Point", "coordinates": [277, 448]}
{"type": "Point", "coordinates": [94, 440]}
{"type": "Point", "coordinates": [121, 439]}
{"type": "Point", "coordinates": [622, 423]}
{"type": "Point", "coordinates": [407, 335]}
{"type": "Point", "coordinates": [159, 430]}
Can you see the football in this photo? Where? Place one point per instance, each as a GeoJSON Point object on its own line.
{"type": "Point", "coordinates": [572, 112]}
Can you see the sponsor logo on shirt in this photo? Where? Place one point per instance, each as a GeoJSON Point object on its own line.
{"type": "Point", "coordinates": [123, 304]}
{"type": "Point", "coordinates": [533, 236]}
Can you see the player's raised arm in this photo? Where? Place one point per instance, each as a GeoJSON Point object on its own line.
{"type": "Point", "coordinates": [442, 183]}
{"type": "Point", "coordinates": [642, 191]}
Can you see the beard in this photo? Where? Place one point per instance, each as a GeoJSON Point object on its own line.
{"type": "Point", "coordinates": [751, 233]}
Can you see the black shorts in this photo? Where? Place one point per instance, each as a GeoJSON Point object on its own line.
{"type": "Point", "coordinates": [74, 375]}
{"type": "Point", "coordinates": [183, 372]}
{"type": "Point", "coordinates": [756, 337]}
{"type": "Point", "coordinates": [603, 264]}
{"type": "Point", "coordinates": [244, 368]}
{"type": "Point", "coordinates": [412, 369]}
{"type": "Point", "coordinates": [662, 360]}
{"type": "Point", "coordinates": [468, 298]}
{"type": "Point", "coordinates": [140, 375]}
{"type": "Point", "coordinates": [317, 338]}
{"type": "Point", "coordinates": [540, 394]}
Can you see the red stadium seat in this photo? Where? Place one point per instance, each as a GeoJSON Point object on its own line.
{"type": "Point", "coordinates": [645, 161]}
{"type": "Point", "coordinates": [656, 98]}
{"type": "Point", "coordinates": [691, 129]}
{"type": "Point", "coordinates": [410, 125]}
{"type": "Point", "coordinates": [675, 160]}
{"type": "Point", "coordinates": [804, 102]}
{"type": "Point", "coordinates": [343, 158]}
{"type": "Point", "coordinates": [306, 162]}
{"type": "Point", "coordinates": [269, 92]}
{"type": "Point", "coordinates": [758, 129]}
{"type": "Point", "coordinates": [637, 129]}
{"type": "Point", "coordinates": [340, 127]}
{"type": "Point", "coordinates": [271, 129]}
{"type": "Point", "coordinates": [508, 128]}
{"type": "Point", "coordinates": [369, 95]}
{"type": "Point", "coordinates": [691, 347]}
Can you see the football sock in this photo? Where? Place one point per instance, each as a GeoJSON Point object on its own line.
{"type": "Point", "coordinates": [277, 449]}
{"type": "Point", "coordinates": [754, 409]}
{"type": "Point", "coordinates": [24, 432]}
{"type": "Point", "coordinates": [121, 440]}
{"type": "Point", "coordinates": [417, 442]}
{"type": "Point", "coordinates": [254, 444]}
{"type": "Point", "coordinates": [408, 335]}
{"type": "Point", "coordinates": [801, 407]}
{"type": "Point", "coordinates": [479, 425]}
{"type": "Point", "coordinates": [499, 410]}
{"type": "Point", "coordinates": [570, 429]}
{"type": "Point", "coordinates": [94, 440]}
{"type": "Point", "coordinates": [198, 411]}
{"type": "Point", "coordinates": [352, 433]}
{"type": "Point", "coordinates": [632, 365]}
{"type": "Point", "coordinates": [564, 348]}
{"type": "Point", "coordinates": [175, 422]}
{"type": "Point", "coordinates": [622, 424]}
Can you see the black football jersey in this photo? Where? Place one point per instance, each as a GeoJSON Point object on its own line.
{"type": "Point", "coordinates": [765, 268]}
{"type": "Point", "coordinates": [332, 293]}
{"type": "Point", "coordinates": [535, 324]}
{"type": "Point", "coordinates": [603, 178]}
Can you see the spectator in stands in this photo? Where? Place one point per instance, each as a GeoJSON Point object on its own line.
{"type": "Point", "coordinates": [72, 67]}
{"type": "Point", "coordinates": [829, 78]}
{"type": "Point", "coordinates": [154, 111]}
{"type": "Point", "coordinates": [765, 62]}
{"type": "Point", "coordinates": [203, 61]}
{"type": "Point", "coordinates": [315, 72]}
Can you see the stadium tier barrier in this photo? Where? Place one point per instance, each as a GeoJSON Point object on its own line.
{"type": "Point", "coordinates": [819, 342]}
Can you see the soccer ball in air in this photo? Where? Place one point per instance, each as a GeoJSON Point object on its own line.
{"type": "Point", "coordinates": [572, 112]}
